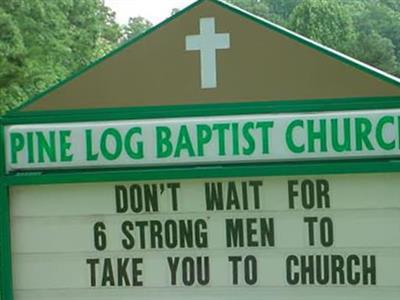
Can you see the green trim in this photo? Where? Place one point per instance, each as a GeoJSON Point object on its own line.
{"type": "Point", "coordinates": [203, 110]}
{"type": "Point", "coordinates": [292, 35]}
{"type": "Point", "coordinates": [6, 289]}
{"type": "Point", "coordinates": [108, 55]}
{"type": "Point", "coordinates": [316, 46]}
{"type": "Point", "coordinates": [2, 150]}
{"type": "Point", "coordinates": [278, 169]}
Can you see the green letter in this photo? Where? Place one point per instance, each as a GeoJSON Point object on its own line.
{"type": "Point", "coordinates": [17, 142]}
{"type": "Point", "coordinates": [65, 145]}
{"type": "Point", "coordinates": [265, 126]}
{"type": "Point", "coordinates": [221, 128]}
{"type": "Point", "coordinates": [289, 136]}
{"type": "Point", "coordinates": [346, 144]}
{"type": "Point", "coordinates": [46, 146]}
{"type": "Point", "coordinates": [249, 138]}
{"type": "Point", "coordinates": [117, 144]}
{"type": "Point", "coordinates": [184, 142]}
{"type": "Point", "coordinates": [204, 135]}
{"type": "Point", "coordinates": [128, 145]}
{"type": "Point", "coordinates": [89, 149]}
{"type": "Point", "coordinates": [363, 129]}
{"type": "Point", "coordinates": [31, 149]}
{"type": "Point", "coordinates": [235, 138]}
{"type": "Point", "coordinates": [164, 146]}
{"type": "Point", "coordinates": [379, 133]}
{"type": "Point", "coordinates": [313, 136]}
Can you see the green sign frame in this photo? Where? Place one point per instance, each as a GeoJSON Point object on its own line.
{"type": "Point", "coordinates": [16, 117]}
{"type": "Point", "coordinates": [192, 172]}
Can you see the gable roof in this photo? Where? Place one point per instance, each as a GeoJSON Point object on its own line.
{"type": "Point", "coordinates": [265, 62]}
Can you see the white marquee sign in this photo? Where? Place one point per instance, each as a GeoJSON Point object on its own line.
{"type": "Point", "coordinates": [274, 237]}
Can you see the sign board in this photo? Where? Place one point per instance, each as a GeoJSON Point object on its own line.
{"type": "Point", "coordinates": [216, 156]}
{"type": "Point", "coordinates": [257, 237]}
{"type": "Point", "coordinates": [204, 140]}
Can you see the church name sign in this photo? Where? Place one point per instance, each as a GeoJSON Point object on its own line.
{"type": "Point", "coordinates": [202, 140]}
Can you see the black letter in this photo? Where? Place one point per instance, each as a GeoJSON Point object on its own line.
{"type": "Point", "coordinates": [311, 221]}
{"type": "Point", "coordinates": [173, 267]}
{"type": "Point", "coordinates": [234, 233]}
{"type": "Point", "coordinates": [121, 199]}
{"type": "Point", "coordinates": [214, 196]}
{"type": "Point", "coordinates": [136, 272]}
{"type": "Point", "coordinates": [292, 277]}
{"type": "Point", "coordinates": [92, 262]}
{"type": "Point", "coordinates": [291, 192]}
{"type": "Point", "coordinates": [250, 269]}
{"type": "Point", "coordinates": [123, 278]}
{"type": "Point", "coordinates": [174, 195]}
{"type": "Point", "coordinates": [256, 185]}
{"type": "Point", "coordinates": [369, 269]}
{"type": "Point", "coordinates": [235, 261]}
{"type": "Point", "coordinates": [129, 242]}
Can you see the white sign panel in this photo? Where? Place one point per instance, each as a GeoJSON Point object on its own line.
{"type": "Point", "coordinates": [315, 237]}
{"type": "Point", "coordinates": [204, 140]}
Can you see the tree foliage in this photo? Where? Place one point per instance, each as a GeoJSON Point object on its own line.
{"type": "Point", "coordinates": [258, 7]}
{"type": "Point", "coordinates": [368, 30]}
{"type": "Point", "coordinates": [135, 27]}
{"type": "Point", "coordinates": [42, 42]}
{"type": "Point", "coordinates": [12, 50]}
{"type": "Point", "coordinates": [379, 35]}
{"type": "Point", "coordinates": [324, 21]}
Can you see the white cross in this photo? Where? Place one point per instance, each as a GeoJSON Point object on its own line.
{"type": "Point", "coordinates": [208, 42]}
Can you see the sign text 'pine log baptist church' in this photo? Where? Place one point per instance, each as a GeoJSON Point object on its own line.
{"type": "Point", "coordinates": [216, 156]}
